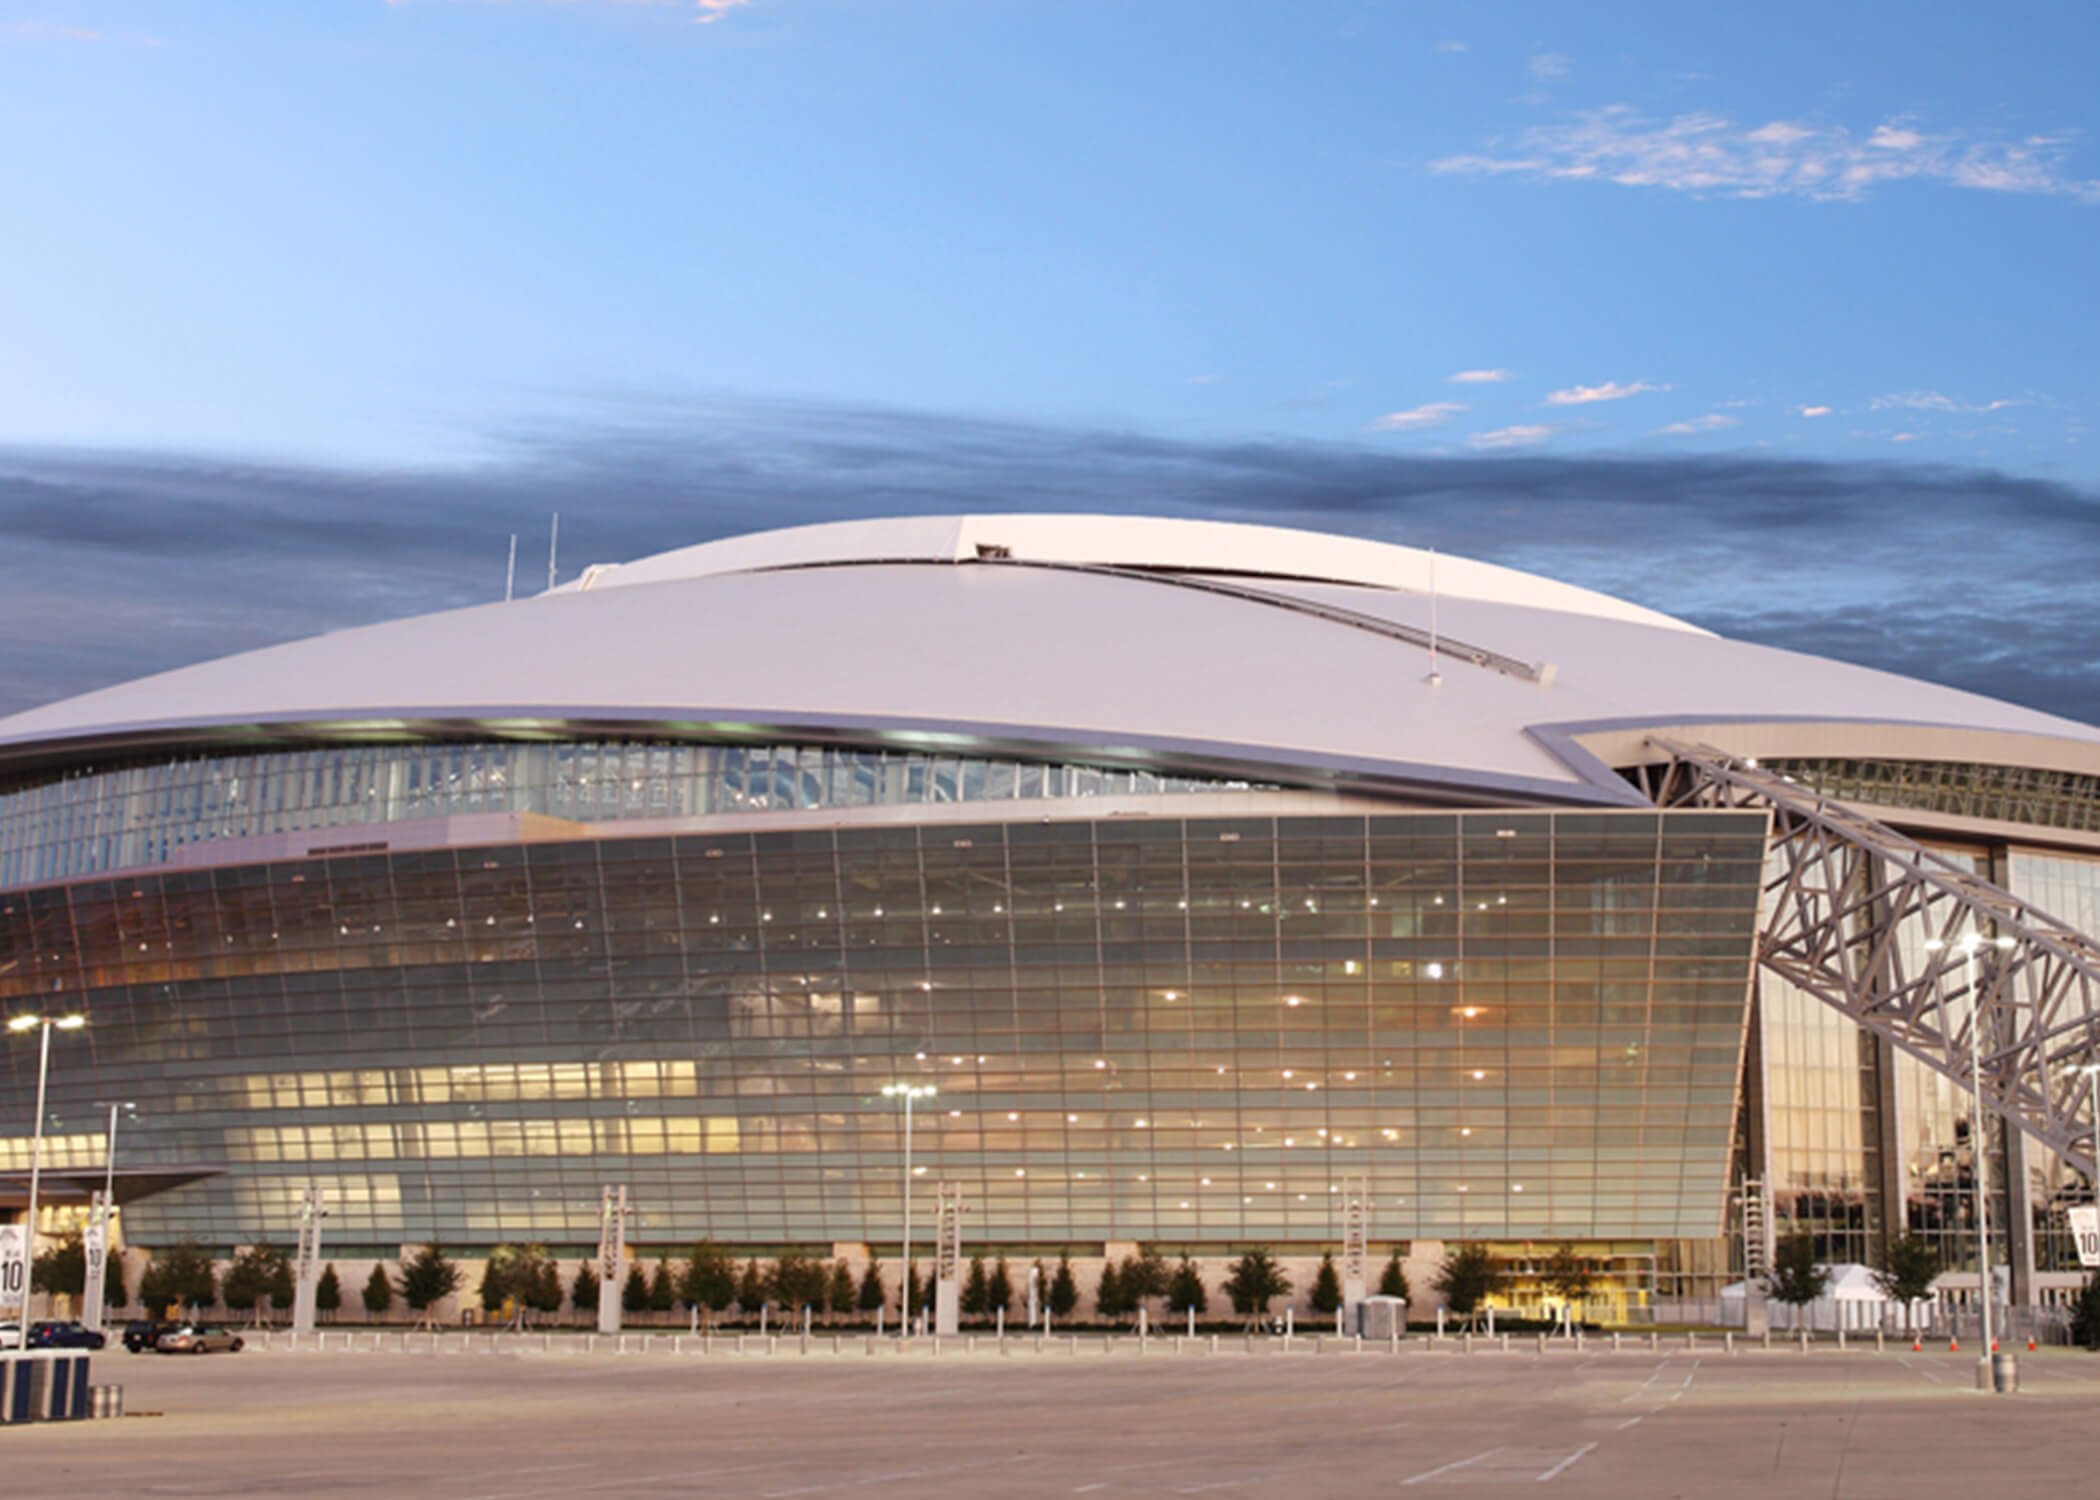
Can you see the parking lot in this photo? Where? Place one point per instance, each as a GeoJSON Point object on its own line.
{"type": "Point", "coordinates": [1103, 1421]}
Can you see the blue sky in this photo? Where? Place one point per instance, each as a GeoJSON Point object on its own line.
{"type": "Point", "coordinates": [321, 246]}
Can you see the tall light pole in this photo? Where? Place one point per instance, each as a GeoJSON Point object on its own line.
{"type": "Point", "coordinates": [96, 1242]}
{"type": "Point", "coordinates": [908, 1092]}
{"type": "Point", "coordinates": [70, 1022]}
{"type": "Point", "coordinates": [1979, 1141]}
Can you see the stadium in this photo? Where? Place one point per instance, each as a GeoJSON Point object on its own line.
{"type": "Point", "coordinates": [1222, 881]}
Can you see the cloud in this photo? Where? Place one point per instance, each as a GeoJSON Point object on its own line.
{"type": "Point", "coordinates": [1905, 437]}
{"type": "Point", "coordinates": [1611, 390]}
{"type": "Point", "coordinates": [1202, 379]}
{"type": "Point", "coordinates": [715, 10]}
{"type": "Point", "coordinates": [1435, 414]}
{"type": "Point", "coordinates": [1453, 46]}
{"type": "Point", "coordinates": [1521, 436]}
{"type": "Point", "coordinates": [1713, 421]}
{"type": "Point", "coordinates": [1934, 401]}
{"type": "Point", "coordinates": [1709, 154]}
{"type": "Point", "coordinates": [1813, 411]}
{"type": "Point", "coordinates": [1478, 377]}
{"type": "Point", "coordinates": [1546, 65]}
{"type": "Point", "coordinates": [126, 563]}
{"type": "Point", "coordinates": [51, 31]}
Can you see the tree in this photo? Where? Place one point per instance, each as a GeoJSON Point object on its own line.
{"type": "Point", "coordinates": [1796, 1279]}
{"type": "Point", "coordinates": [1908, 1270]}
{"type": "Point", "coordinates": [378, 1293]}
{"type": "Point", "coordinates": [258, 1272]}
{"type": "Point", "coordinates": [281, 1291]}
{"type": "Point", "coordinates": [1185, 1291]}
{"type": "Point", "coordinates": [499, 1277]}
{"type": "Point", "coordinates": [1144, 1275]}
{"type": "Point", "coordinates": [180, 1274]}
{"type": "Point", "coordinates": [1108, 1293]}
{"type": "Point", "coordinates": [1468, 1277]}
{"type": "Point", "coordinates": [840, 1294]}
{"type": "Point", "coordinates": [61, 1270]}
{"type": "Point", "coordinates": [1569, 1276]}
{"type": "Point", "coordinates": [1326, 1287]}
{"type": "Point", "coordinates": [1255, 1281]}
{"type": "Point", "coordinates": [663, 1290]}
{"type": "Point", "coordinates": [634, 1295]}
{"type": "Point", "coordinates": [710, 1279]}
{"type": "Point", "coordinates": [999, 1292]}
{"type": "Point", "coordinates": [113, 1279]}
{"type": "Point", "coordinates": [328, 1291]}
{"type": "Point", "coordinates": [975, 1292]}
{"type": "Point", "coordinates": [545, 1294]}
{"type": "Point", "coordinates": [1392, 1281]}
{"type": "Point", "coordinates": [2085, 1313]}
{"type": "Point", "coordinates": [751, 1289]}
{"type": "Point", "coordinates": [1064, 1288]}
{"type": "Point", "coordinates": [428, 1279]}
{"type": "Point", "coordinates": [914, 1291]}
{"type": "Point", "coordinates": [584, 1291]}
{"type": "Point", "coordinates": [873, 1294]}
{"type": "Point", "coordinates": [796, 1281]}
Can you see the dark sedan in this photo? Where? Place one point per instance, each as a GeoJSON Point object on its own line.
{"type": "Point", "coordinates": [53, 1334]}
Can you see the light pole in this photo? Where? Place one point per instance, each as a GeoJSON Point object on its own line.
{"type": "Point", "coordinates": [1979, 1144]}
{"type": "Point", "coordinates": [96, 1241]}
{"type": "Point", "coordinates": [70, 1022]}
{"type": "Point", "coordinates": [908, 1092]}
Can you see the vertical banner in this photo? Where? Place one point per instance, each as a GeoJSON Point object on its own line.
{"type": "Point", "coordinates": [313, 1207]}
{"type": "Point", "coordinates": [612, 1257]}
{"type": "Point", "coordinates": [1356, 1230]}
{"type": "Point", "coordinates": [947, 1258]}
{"type": "Point", "coordinates": [14, 1269]}
{"type": "Point", "coordinates": [94, 1248]}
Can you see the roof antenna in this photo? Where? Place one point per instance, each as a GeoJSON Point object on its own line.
{"type": "Point", "coordinates": [553, 541]}
{"type": "Point", "coordinates": [510, 571]}
{"type": "Point", "coordinates": [1435, 678]}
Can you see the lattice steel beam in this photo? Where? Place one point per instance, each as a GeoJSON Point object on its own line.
{"type": "Point", "coordinates": [1913, 947]}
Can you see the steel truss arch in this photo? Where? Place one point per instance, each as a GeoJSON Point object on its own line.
{"type": "Point", "coordinates": [1912, 946]}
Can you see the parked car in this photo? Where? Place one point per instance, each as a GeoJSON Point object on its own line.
{"type": "Point", "coordinates": [145, 1333]}
{"type": "Point", "coordinates": [10, 1335]}
{"type": "Point", "coordinates": [55, 1334]}
{"type": "Point", "coordinates": [198, 1338]}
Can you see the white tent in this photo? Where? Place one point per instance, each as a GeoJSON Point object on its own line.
{"type": "Point", "coordinates": [1851, 1301]}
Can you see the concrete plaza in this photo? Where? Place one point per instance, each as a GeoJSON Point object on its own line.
{"type": "Point", "coordinates": [1105, 1421]}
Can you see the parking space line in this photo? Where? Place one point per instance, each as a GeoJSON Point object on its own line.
{"type": "Point", "coordinates": [1447, 1468]}
{"type": "Point", "coordinates": [1567, 1462]}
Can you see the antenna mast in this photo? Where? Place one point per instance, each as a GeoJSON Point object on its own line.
{"type": "Point", "coordinates": [1435, 678]}
{"type": "Point", "coordinates": [510, 571]}
{"type": "Point", "coordinates": [553, 541]}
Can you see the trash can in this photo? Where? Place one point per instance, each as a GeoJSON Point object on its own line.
{"type": "Point", "coordinates": [2005, 1373]}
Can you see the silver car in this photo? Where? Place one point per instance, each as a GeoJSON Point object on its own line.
{"type": "Point", "coordinates": [197, 1338]}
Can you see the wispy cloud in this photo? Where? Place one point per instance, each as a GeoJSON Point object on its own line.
{"type": "Point", "coordinates": [51, 31]}
{"type": "Point", "coordinates": [1713, 421]}
{"type": "Point", "coordinates": [1435, 414]}
{"type": "Point", "coordinates": [1478, 377]}
{"type": "Point", "coordinates": [1934, 401]}
{"type": "Point", "coordinates": [715, 10]}
{"type": "Point", "coordinates": [1711, 154]}
{"type": "Point", "coordinates": [1611, 390]}
{"type": "Point", "coordinates": [1449, 45]}
{"type": "Point", "coordinates": [1813, 411]}
{"type": "Point", "coordinates": [1202, 379]}
{"type": "Point", "coordinates": [1524, 435]}
{"type": "Point", "coordinates": [1546, 65]}
{"type": "Point", "coordinates": [1905, 437]}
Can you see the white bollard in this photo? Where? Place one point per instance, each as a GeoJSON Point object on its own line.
{"type": "Point", "coordinates": [1192, 1322]}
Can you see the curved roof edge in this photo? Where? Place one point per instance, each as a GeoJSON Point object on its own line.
{"type": "Point", "coordinates": [1138, 542]}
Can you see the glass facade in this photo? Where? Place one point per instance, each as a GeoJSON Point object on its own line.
{"type": "Point", "coordinates": [1512, 1025]}
{"type": "Point", "coordinates": [137, 816]}
{"type": "Point", "coordinates": [2010, 794]}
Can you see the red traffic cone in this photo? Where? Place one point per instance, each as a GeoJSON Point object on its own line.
{"type": "Point", "coordinates": [1917, 1345]}
{"type": "Point", "coordinates": [1994, 1346]}
{"type": "Point", "coordinates": [2030, 1343]}
{"type": "Point", "coordinates": [1954, 1346]}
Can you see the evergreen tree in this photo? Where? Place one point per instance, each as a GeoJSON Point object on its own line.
{"type": "Point", "coordinates": [634, 1295]}
{"type": "Point", "coordinates": [1185, 1291]}
{"type": "Point", "coordinates": [280, 1288]}
{"type": "Point", "coordinates": [584, 1291]}
{"type": "Point", "coordinates": [975, 1291]}
{"type": "Point", "coordinates": [546, 1286]}
{"type": "Point", "coordinates": [1256, 1280]}
{"type": "Point", "coordinates": [1144, 1275]}
{"type": "Point", "coordinates": [914, 1291]}
{"type": "Point", "coordinates": [61, 1270]}
{"type": "Point", "coordinates": [328, 1291]}
{"type": "Point", "coordinates": [873, 1294]}
{"type": "Point", "coordinates": [113, 1294]}
{"type": "Point", "coordinates": [1063, 1295]}
{"type": "Point", "coordinates": [1796, 1279]}
{"type": "Point", "coordinates": [999, 1292]}
{"type": "Point", "coordinates": [378, 1293]}
{"type": "Point", "coordinates": [1568, 1276]}
{"type": "Point", "coordinates": [751, 1289]}
{"type": "Point", "coordinates": [1326, 1294]}
{"type": "Point", "coordinates": [840, 1294]}
{"type": "Point", "coordinates": [710, 1279]}
{"type": "Point", "coordinates": [796, 1281]}
{"type": "Point", "coordinates": [181, 1274]}
{"type": "Point", "coordinates": [257, 1272]}
{"type": "Point", "coordinates": [1108, 1294]}
{"type": "Point", "coordinates": [501, 1277]}
{"type": "Point", "coordinates": [1468, 1278]}
{"type": "Point", "coordinates": [1392, 1281]}
{"type": "Point", "coordinates": [663, 1292]}
{"type": "Point", "coordinates": [2085, 1313]}
{"type": "Point", "coordinates": [428, 1279]}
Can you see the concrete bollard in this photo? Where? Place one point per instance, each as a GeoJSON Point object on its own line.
{"type": "Point", "coordinates": [936, 1345]}
{"type": "Point", "coordinates": [740, 1343]}
{"type": "Point", "coordinates": [1505, 1343]}
{"type": "Point", "coordinates": [1250, 1343]}
{"type": "Point", "coordinates": [1542, 1344]}
{"type": "Point", "coordinates": [869, 1346]}
{"type": "Point", "coordinates": [1728, 1342]}
{"type": "Point", "coordinates": [1072, 1343]}
{"type": "Point", "coordinates": [1767, 1338]}
{"type": "Point", "coordinates": [1881, 1342]}
{"type": "Point", "coordinates": [1214, 1343]}
{"type": "Point", "coordinates": [1841, 1336]}
{"type": "Point", "coordinates": [1615, 1343]}
{"type": "Point", "coordinates": [1691, 1340]}
{"type": "Point", "coordinates": [837, 1345]}
{"type": "Point", "coordinates": [970, 1344]}
{"type": "Point", "coordinates": [1804, 1341]}
{"type": "Point", "coordinates": [1655, 1341]}
{"type": "Point", "coordinates": [805, 1341]}
{"type": "Point", "coordinates": [1579, 1346]}
{"type": "Point", "coordinates": [1466, 1342]}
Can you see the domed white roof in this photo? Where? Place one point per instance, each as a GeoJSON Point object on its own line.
{"type": "Point", "coordinates": [1175, 642]}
